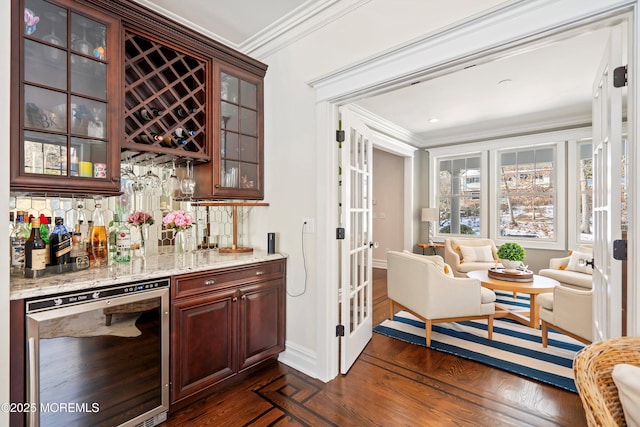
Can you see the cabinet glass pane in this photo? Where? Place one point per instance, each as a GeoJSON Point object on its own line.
{"type": "Point", "coordinates": [46, 22]}
{"type": "Point", "coordinates": [229, 116]}
{"type": "Point", "coordinates": [248, 175]}
{"type": "Point", "coordinates": [89, 158]}
{"type": "Point", "coordinates": [88, 77]}
{"type": "Point", "coordinates": [248, 122]}
{"type": "Point", "coordinates": [45, 109]}
{"type": "Point", "coordinates": [229, 174]}
{"type": "Point", "coordinates": [87, 36]}
{"type": "Point", "coordinates": [248, 95]}
{"type": "Point", "coordinates": [249, 149]}
{"type": "Point", "coordinates": [228, 88]}
{"type": "Point", "coordinates": [88, 117]}
{"type": "Point", "coordinates": [45, 65]}
{"type": "Point", "coordinates": [229, 147]}
{"type": "Point", "coordinates": [45, 153]}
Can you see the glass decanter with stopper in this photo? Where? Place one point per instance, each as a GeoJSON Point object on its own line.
{"type": "Point", "coordinates": [98, 243]}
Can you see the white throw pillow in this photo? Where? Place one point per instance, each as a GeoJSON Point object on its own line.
{"type": "Point", "coordinates": [574, 262]}
{"type": "Point", "coordinates": [476, 253]}
{"type": "Point", "coordinates": [627, 380]}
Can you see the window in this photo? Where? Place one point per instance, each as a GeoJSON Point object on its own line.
{"type": "Point", "coordinates": [459, 195]}
{"type": "Point", "coordinates": [584, 221]}
{"type": "Point", "coordinates": [527, 195]}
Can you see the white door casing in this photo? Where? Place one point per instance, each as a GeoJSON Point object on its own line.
{"type": "Point", "coordinates": [355, 250]}
{"type": "Point", "coordinates": [607, 160]}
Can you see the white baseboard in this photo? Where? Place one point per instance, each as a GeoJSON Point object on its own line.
{"type": "Point", "coordinates": [379, 263]}
{"type": "Point", "coordinates": [301, 359]}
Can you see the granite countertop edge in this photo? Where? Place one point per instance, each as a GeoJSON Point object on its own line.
{"type": "Point", "coordinates": [150, 268]}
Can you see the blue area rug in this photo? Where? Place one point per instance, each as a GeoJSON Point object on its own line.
{"type": "Point", "coordinates": [515, 348]}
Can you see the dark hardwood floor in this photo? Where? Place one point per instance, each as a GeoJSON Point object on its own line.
{"type": "Point", "coordinates": [392, 384]}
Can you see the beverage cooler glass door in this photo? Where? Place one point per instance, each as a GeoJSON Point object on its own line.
{"type": "Point", "coordinates": [104, 362]}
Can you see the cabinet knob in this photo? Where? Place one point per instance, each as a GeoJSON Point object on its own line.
{"type": "Point", "coordinates": [234, 299]}
{"type": "Point", "coordinates": [259, 272]}
{"type": "Point", "coordinates": [209, 282]}
{"type": "Point", "coordinates": [243, 297]}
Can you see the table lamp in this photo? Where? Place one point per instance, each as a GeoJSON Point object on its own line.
{"type": "Point", "coordinates": [429, 215]}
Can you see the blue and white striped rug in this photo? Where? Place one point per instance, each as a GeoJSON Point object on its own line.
{"type": "Point", "coordinates": [515, 348]}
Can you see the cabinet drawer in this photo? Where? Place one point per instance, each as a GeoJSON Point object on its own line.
{"type": "Point", "coordinates": [210, 280]}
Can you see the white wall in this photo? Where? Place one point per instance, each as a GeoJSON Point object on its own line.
{"type": "Point", "coordinates": [5, 29]}
{"type": "Point", "coordinates": [388, 208]}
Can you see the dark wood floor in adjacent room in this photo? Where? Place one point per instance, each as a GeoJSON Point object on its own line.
{"type": "Point", "coordinates": [391, 384]}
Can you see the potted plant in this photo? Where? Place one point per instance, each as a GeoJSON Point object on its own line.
{"type": "Point", "coordinates": [511, 255]}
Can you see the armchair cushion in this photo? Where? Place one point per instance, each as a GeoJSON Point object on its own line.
{"type": "Point", "coordinates": [574, 262]}
{"type": "Point", "coordinates": [476, 254]}
{"type": "Point", "coordinates": [627, 380]}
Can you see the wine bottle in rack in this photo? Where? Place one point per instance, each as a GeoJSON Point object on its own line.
{"type": "Point", "coordinates": [185, 133]}
{"type": "Point", "coordinates": [145, 115]}
{"type": "Point", "coordinates": [157, 112]}
{"type": "Point", "coordinates": [181, 112]}
{"type": "Point", "coordinates": [164, 140]}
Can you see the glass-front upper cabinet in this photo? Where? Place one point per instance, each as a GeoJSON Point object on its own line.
{"type": "Point", "coordinates": [238, 145]}
{"type": "Point", "coordinates": [67, 91]}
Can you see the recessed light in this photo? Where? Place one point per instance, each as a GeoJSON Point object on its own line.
{"type": "Point", "coordinates": [434, 120]}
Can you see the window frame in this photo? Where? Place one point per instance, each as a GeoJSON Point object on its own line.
{"type": "Point", "coordinates": [565, 178]}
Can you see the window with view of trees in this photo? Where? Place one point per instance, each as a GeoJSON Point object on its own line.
{"type": "Point", "coordinates": [585, 200]}
{"type": "Point", "coordinates": [527, 194]}
{"type": "Point", "coordinates": [459, 195]}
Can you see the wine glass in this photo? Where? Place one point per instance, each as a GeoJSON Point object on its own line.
{"type": "Point", "coordinates": [188, 184]}
{"type": "Point", "coordinates": [151, 181]}
{"type": "Point", "coordinates": [173, 182]}
{"type": "Point", "coordinates": [82, 45]}
{"type": "Point", "coordinates": [51, 53]}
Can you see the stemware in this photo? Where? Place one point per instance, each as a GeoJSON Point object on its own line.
{"type": "Point", "coordinates": [50, 53]}
{"type": "Point", "coordinates": [82, 45]}
{"type": "Point", "coordinates": [188, 184]}
{"type": "Point", "coordinates": [173, 183]}
{"type": "Point", "coordinates": [151, 181]}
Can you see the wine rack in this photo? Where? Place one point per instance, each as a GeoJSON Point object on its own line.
{"type": "Point", "coordinates": [165, 102]}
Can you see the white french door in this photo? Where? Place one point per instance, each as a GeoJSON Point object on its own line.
{"type": "Point", "coordinates": [607, 191]}
{"type": "Point", "coordinates": [355, 250]}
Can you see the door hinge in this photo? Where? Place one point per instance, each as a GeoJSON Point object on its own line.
{"type": "Point", "coordinates": [620, 76]}
{"type": "Point", "coordinates": [339, 330]}
{"type": "Point", "coordinates": [620, 250]}
{"type": "Point", "coordinates": [340, 233]}
{"type": "Point", "coordinates": [340, 136]}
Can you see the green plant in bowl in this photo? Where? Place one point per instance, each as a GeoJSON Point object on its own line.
{"type": "Point", "coordinates": [511, 254]}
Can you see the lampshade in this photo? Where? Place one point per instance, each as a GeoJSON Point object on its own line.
{"type": "Point", "coordinates": [429, 214]}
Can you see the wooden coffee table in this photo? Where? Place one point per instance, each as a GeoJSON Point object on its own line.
{"type": "Point", "coordinates": [539, 285]}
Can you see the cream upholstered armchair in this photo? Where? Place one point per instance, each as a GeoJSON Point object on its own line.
{"type": "Point", "coordinates": [419, 285]}
{"type": "Point", "coordinates": [465, 255]}
{"type": "Point", "coordinates": [572, 271]}
{"type": "Point", "coordinates": [569, 311]}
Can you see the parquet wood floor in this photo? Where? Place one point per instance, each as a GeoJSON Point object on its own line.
{"type": "Point", "coordinates": [391, 384]}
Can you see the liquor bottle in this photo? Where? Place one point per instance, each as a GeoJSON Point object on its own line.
{"type": "Point", "coordinates": [79, 256]}
{"type": "Point", "coordinates": [34, 252]}
{"type": "Point", "coordinates": [44, 233]}
{"type": "Point", "coordinates": [60, 242]}
{"type": "Point", "coordinates": [18, 238]}
{"type": "Point", "coordinates": [122, 235]}
{"type": "Point", "coordinates": [181, 112]}
{"type": "Point", "coordinates": [147, 115]}
{"type": "Point", "coordinates": [98, 238]}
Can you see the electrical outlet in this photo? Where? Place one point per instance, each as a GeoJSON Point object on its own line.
{"type": "Point", "coordinates": [309, 225]}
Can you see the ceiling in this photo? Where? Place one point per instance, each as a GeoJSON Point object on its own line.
{"type": "Point", "coordinates": [550, 84]}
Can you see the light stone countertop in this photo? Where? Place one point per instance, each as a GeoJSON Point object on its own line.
{"type": "Point", "coordinates": [153, 267]}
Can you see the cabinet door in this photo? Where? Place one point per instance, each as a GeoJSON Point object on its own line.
{"type": "Point", "coordinates": [67, 108]}
{"type": "Point", "coordinates": [261, 322]}
{"type": "Point", "coordinates": [238, 158]}
{"type": "Point", "coordinates": [203, 342]}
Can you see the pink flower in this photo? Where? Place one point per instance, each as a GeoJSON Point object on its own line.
{"type": "Point", "coordinates": [139, 217]}
{"type": "Point", "coordinates": [179, 220]}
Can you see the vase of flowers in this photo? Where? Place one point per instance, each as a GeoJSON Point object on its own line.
{"type": "Point", "coordinates": [141, 220]}
{"type": "Point", "coordinates": [511, 255]}
{"type": "Point", "coordinates": [179, 221]}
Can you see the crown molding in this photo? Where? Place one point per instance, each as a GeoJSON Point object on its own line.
{"type": "Point", "coordinates": [389, 129]}
{"type": "Point", "coordinates": [300, 22]}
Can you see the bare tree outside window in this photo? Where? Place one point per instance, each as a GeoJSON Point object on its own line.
{"type": "Point", "coordinates": [527, 193]}
{"type": "Point", "coordinates": [458, 196]}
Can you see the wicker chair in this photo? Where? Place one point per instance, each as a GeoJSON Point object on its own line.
{"type": "Point", "coordinates": [592, 367]}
